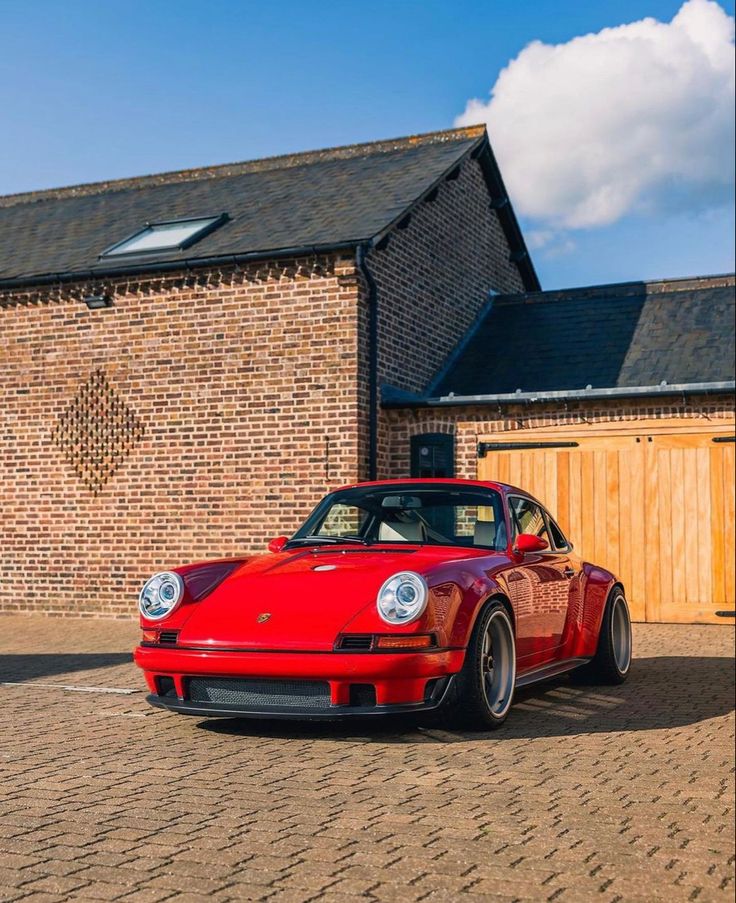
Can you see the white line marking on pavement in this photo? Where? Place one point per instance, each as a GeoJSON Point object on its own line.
{"type": "Point", "coordinates": [121, 714]}
{"type": "Point", "coordinates": [28, 683]}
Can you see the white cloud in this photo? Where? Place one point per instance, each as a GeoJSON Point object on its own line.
{"type": "Point", "coordinates": [636, 118]}
{"type": "Point", "coordinates": [551, 242]}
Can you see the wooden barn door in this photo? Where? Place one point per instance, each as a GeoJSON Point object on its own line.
{"type": "Point", "coordinates": [654, 504]}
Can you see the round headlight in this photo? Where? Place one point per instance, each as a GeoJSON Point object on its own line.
{"type": "Point", "coordinates": [402, 598]}
{"type": "Point", "coordinates": [160, 596]}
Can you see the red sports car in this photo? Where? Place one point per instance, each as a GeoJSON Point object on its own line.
{"type": "Point", "coordinates": [393, 597]}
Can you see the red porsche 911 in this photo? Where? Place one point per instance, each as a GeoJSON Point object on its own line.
{"type": "Point", "coordinates": [393, 597]}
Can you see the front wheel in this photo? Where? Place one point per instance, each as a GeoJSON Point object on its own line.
{"type": "Point", "coordinates": [612, 661]}
{"type": "Point", "coordinates": [485, 685]}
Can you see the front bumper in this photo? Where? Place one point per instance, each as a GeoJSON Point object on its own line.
{"type": "Point", "coordinates": [402, 682]}
{"type": "Point", "coordinates": [440, 692]}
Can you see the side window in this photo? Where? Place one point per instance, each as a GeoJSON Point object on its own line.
{"type": "Point", "coordinates": [558, 540]}
{"type": "Point", "coordinates": [527, 517]}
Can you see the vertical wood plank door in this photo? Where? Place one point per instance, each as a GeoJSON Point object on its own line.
{"type": "Point", "coordinates": [654, 503]}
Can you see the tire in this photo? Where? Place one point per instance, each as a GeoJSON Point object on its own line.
{"type": "Point", "coordinates": [485, 686]}
{"type": "Point", "coordinates": [611, 663]}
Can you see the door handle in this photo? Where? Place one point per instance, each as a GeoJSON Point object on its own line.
{"type": "Point", "coordinates": [569, 572]}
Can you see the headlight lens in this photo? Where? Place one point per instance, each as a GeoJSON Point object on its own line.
{"type": "Point", "coordinates": [160, 596]}
{"type": "Point", "coordinates": [402, 598]}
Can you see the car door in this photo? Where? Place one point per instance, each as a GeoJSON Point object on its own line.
{"type": "Point", "coordinates": [539, 585]}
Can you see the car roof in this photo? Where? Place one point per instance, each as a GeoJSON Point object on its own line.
{"type": "Point", "coordinates": [444, 481]}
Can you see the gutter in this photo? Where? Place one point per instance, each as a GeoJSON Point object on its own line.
{"type": "Point", "coordinates": [168, 266]}
{"type": "Point", "coordinates": [361, 263]}
{"type": "Point", "coordinates": [398, 400]}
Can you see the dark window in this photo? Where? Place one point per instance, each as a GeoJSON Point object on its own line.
{"type": "Point", "coordinates": [433, 455]}
{"type": "Point", "coordinates": [558, 540]}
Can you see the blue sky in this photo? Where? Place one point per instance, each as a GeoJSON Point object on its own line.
{"type": "Point", "coordinates": [92, 91]}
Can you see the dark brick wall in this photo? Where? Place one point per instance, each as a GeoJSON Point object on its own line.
{"type": "Point", "coordinates": [433, 279]}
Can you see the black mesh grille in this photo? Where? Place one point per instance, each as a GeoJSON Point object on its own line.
{"type": "Point", "coordinates": [312, 694]}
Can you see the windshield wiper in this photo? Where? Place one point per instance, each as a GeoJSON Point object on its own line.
{"type": "Point", "coordinates": [315, 539]}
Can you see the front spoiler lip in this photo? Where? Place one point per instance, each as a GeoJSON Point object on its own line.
{"type": "Point", "coordinates": [297, 713]}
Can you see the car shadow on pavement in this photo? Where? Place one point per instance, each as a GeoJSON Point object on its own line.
{"type": "Point", "coordinates": [661, 692]}
{"type": "Point", "coordinates": [32, 666]}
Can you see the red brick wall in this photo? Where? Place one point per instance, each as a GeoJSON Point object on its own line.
{"type": "Point", "coordinates": [203, 414]}
{"type": "Point", "coordinates": [230, 400]}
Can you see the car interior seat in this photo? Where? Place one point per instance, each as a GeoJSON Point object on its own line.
{"type": "Point", "coordinates": [484, 533]}
{"type": "Point", "coordinates": [401, 531]}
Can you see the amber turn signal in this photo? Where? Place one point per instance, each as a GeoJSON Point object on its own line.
{"type": "Point", "coordinates": [150, 636]}
{"type": "Point", "coordinates": [404, 642]}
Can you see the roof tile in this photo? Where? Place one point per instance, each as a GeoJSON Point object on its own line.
{"type": "Point", "coordinates": [315, 199]}
{"type": "Point", "coordinates": [615, 336]}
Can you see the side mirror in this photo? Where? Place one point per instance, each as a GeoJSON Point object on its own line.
{"type": "Point", "coordinates": [277, 545]}
{"type": "Point", "coordinates": [527, 542]}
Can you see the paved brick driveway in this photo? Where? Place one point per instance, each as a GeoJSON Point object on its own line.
{"type": "Point", "coordinates": [610, 794]}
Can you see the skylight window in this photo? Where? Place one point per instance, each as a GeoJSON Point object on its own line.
{"type": "Point", "coordinates": [166, 236]}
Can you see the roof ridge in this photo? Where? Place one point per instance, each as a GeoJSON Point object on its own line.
{"type": "Point", "coordinates": [622, 289]}
{"type": "Point", "coordinates": [262, 164]}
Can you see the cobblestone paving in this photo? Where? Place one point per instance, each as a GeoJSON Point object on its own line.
{"type": "Point", "coordinates": [610, 794]}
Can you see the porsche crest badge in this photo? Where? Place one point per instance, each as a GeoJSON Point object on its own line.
{"type": "Point", "coordinates": [263, 617]}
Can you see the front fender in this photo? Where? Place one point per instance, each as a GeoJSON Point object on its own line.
{"type": "Point", "coordinates": [474, 597]}
{"type": "Point", "coordinates": [455, 599]}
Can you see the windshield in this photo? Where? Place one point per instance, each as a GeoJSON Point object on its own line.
{"type": "Point", "coordinates": [412, 513]}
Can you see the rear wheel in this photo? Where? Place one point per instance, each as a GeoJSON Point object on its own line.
{"type": "Point", "coordinates": [485, 686]}
{"type": "Point", "coordinates": [612, 661]}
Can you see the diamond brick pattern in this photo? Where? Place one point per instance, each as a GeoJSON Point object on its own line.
{"type": "Point", "coordinates": [96, 431]}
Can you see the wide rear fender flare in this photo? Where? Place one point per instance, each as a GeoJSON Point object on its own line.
{"type": "Point", "coordinates": [601, 582]}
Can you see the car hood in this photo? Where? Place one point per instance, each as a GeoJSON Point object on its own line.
{"type": "Point", "coordinates": [309, 596]}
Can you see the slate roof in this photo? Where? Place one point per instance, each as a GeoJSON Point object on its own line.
{"type": "Point", "coordinates": [318, 200]}
{"type": "Point", "coordinates": [620, 336]}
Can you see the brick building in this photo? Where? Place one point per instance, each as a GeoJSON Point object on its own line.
{"type": "Point", "coordinates": [189, 361]}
